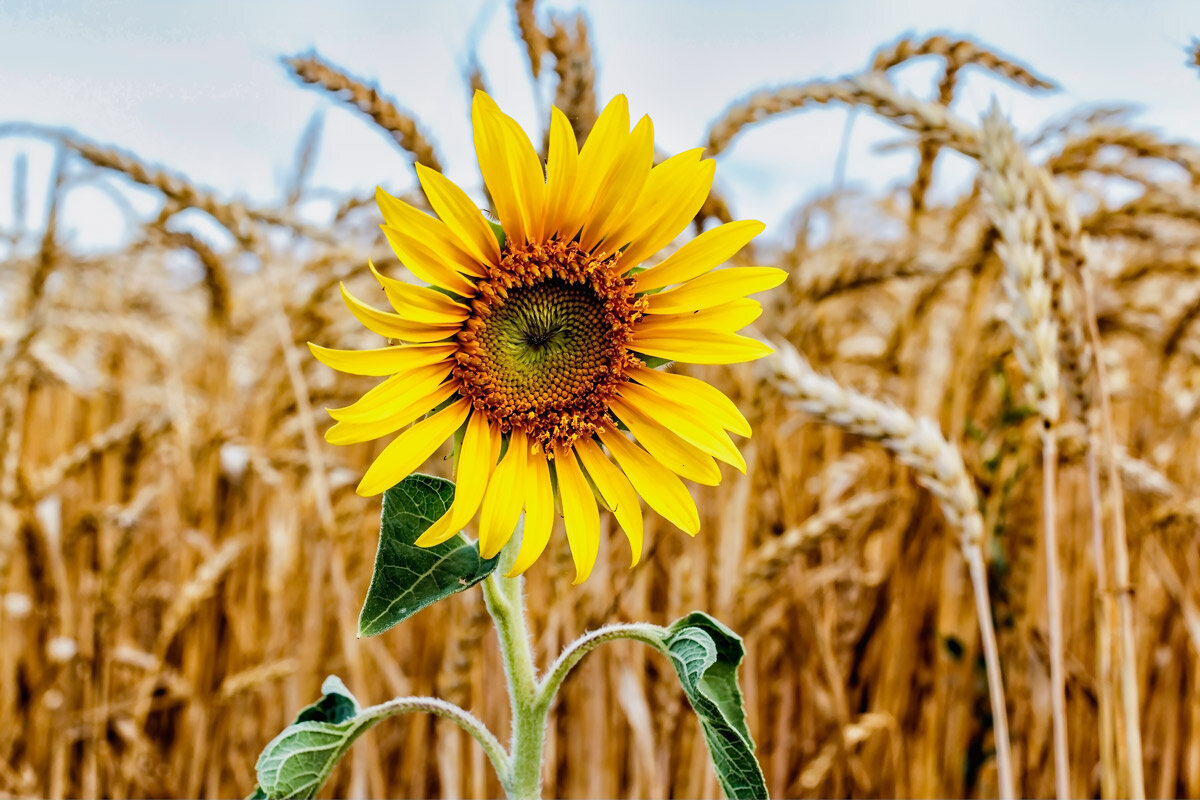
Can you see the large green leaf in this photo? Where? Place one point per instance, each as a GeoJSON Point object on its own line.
{"type": "Point", "coordinates": [408, 578]}
{"type": "Point", "coordinates": [296, 762]}
{"type": "Point", "coordinates": [706, 655]}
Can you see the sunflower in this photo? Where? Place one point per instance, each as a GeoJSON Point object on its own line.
{"type": "Point", "coordinates": [533, 347]}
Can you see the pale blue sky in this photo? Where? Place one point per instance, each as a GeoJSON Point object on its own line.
{"type": "Point", "coordinates": [199, 87]}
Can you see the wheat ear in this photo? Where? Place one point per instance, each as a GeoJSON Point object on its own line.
{"type": "Point", "coordinates": [401, 127]}
{"type": "Point", "coordinates": [1035, 329]}
{"type": "Point", "coordinates": [576, 92]}
{"type": "Point", "coordinates": [939, 468]}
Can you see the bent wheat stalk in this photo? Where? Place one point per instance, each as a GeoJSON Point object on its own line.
{"type": "Point", "coordinates": [939, 468]}
{"type": "Point", "coordinates": [403, 128]}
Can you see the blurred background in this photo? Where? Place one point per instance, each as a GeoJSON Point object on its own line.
{"type": "Point", "coordinates": [182, 558]}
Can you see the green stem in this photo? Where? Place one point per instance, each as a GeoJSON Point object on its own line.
{"type": "Point", "coordinates": [506, 604]}
{"type": "Point", "coordinates": [531, 698]}
{"type": "Point", "coordinates": [646, 633]}
{"type": "Point", "coordinates": [441, 708]}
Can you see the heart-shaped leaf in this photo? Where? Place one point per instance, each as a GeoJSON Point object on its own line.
{"type": "Point", "coordinates": [296, 762]}
{"type": "Point", "coordinates": [706, 655]}
{"type": "Point", "coordinates": [408, 578]}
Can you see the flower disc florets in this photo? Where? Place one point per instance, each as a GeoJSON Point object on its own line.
{"type": "Point", "coordinates": [546, 345]}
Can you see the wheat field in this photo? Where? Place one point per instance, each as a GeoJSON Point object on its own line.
{"type": "Point", "coordinates": [182, 557]}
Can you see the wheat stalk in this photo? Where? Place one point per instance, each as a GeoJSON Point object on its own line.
{"type": "Point", "coordinates": [143, 428]}
{"type": "Point", "coordinates": [1034, 328]}
{"type": "Point", "coordinates": [763, 567]}
{"type": "Point", "coordinates": [1082, 151]}
{"type": "Point", "coordinates": [939, 468]}
{"type": "Point", "coordinates": [403, 128]}
{"type": "Point", "coordinates": [1062, 232]}
{"type": "Point", "coordinates": [871, 90]}
{"type": "Point", "coordinates": [531, 34]}
{"type": "Point", "coordinates": [573, 62]}
{"type": "Point", "coordinates": [958, 53]}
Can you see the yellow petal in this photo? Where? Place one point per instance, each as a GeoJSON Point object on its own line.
{"type": "Point", "coordinates": [410, 449]}
{"type": "Point", "coordinates": [383, 360]}
{"type": "Point", "coordinates": [489, 150]}
{"type": "Point", "coordinates": [664, 492]}
{"type": "Point", "coordinates": [420, 303]}
{"type": "Point", "coordinates": [505, 497]}
{"type": "Point", "coordinates": [727, 318]}
{"type": "Point", "coordinates": [685, 197]}
{"type": "Point", "coordinates": [476, 461]}
{"type": "Point", "coordinates": [684, 422]}
{"type": "Point", "coordinates": [426, 261]}
{"type": "Point", "coordinates": [461, 215]}
{"type": "Point", "coordinates": [529, 177]}
{"type": "Point", "coordinates": [709, 401]}
{"type": "Point", "coordinates": [396, 392]}
{"type": "Point", "coordinates": [394, 326]}
{"type": "Point", "coordinates": [619, 189]}
{"type": "Point", "coordinates": [579, 513]}
{"type": "Point", "coordinates": [671, 451]}
{"type": "Point", "coordinates": [602, 148]}
{"type": "Point", "coordinates": [511, 169]}
{"type": "Point", "coordinates": [539, 514]}
{"type": "Point", "coordinates": [702, 254]}
{"type": "Point", "coordinates": [617, 492]}
{"type": "Point", "coordinates": [368, 428]}
{"type": "Point", "coordinates": [715, 288]}
{"type": "Point", "coordinates": [699, 346]}
{"type": "Point", "coordinates": [665, 185]}
{"type": "Point", "coordinates": [562, 164]}
{"type": "Point", "coordinates": [436, 235]}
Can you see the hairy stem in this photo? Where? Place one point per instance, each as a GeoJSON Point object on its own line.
{"type": "Point", "coordinates": [446, 710]}
{"type": "Point", "coordinates": [637, 631]}
{"type": "Point", "coordinates": [505, 601]}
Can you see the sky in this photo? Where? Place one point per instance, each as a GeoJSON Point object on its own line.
{"type": "Point", "coordinates": [199, 87]}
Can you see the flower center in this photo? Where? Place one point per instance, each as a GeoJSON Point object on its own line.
{"type": "Point", "coordinates": [546, 346]}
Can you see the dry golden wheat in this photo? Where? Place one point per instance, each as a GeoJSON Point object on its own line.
{"type": "Point", "coordinates": [172, 528]}
{"type": "Point", "coordinates": [402, 127]}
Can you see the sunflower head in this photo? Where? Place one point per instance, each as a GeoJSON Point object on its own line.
{"type": "Point", "coordinates": [547, 345]}
{"type": "Point", "coordinates": [534, 346]}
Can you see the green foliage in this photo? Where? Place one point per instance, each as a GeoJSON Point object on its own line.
{"type": "Point", "coordinates": [653, 362]}
{"type": "Point", "coordinates": [408, 578]}
{"type": "Point", "coordinates": [498, 231]}
{"type": "Point", "coordinates": [706, 655]}
{"type": "Point", "coordinates": [296, 762]}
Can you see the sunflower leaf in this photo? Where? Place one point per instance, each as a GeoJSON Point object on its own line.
{"type": "Point", "coordinates": [296, 762]}
{"type": "Point", "coordinates": [498, 231]}
{"type": "Point", "coordinates": [653, 362]}
{"type": "Point", "coordinates": [706, 655]}
{"type": "Point", "coordinates": [408, 578]}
